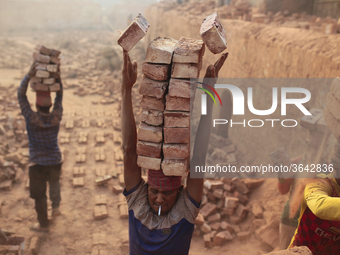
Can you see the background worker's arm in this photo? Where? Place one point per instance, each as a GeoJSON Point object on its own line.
{"type": "Point", "coordinates": [195, 186]}
{"type": "Point", "coordinates": [22, 90]}
{"type": "Point", "coordinates": [58, 102]}
{"type": "Point", "coordinates": [132, 172]}
{"type": "Point", "coordinates": [319, 200]}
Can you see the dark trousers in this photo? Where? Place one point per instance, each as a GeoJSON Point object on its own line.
{"type": "Point", "coordinates": [39, 175]}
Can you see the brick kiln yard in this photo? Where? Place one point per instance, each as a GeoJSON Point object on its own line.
{"type": "Point", "coordinates": [91, 73]}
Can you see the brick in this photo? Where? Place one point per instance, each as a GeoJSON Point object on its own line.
{"type": "Point", "coordinates": [42, 49]}
{"type": "Point", "coordinates": [100, 157]}
{"type": "Point", "coordinates": [78, 171]}
{"type": "Point", "coordinates": [226, 226]}
{"type": "Point", "coordinates": [204, 200]}
{"type": "Point", "coordinates": [205, 228]}
{"type": "Point", "coordinates": [34, 245]}
{"type": "Point", "coordinates": [212, 185]}
{"type": "Point", "coordinates": [215, 226]}
{"type": "Point", "coordinates": [100, 212]}
{"type": "Point", "coordinates": [219, 239]}
{"type": "Point", "coordinates": [220, 204]}
{"type": "Point", "coordinates": [241, 211]}
{"type": "Point", "coordinates": [228, 188]}
{"type": "Point", "coordinates": [214, 217]}
{"type": "Point", "coordinates": [39, 86]}
{"type": "Point", "coordinates": [41, 66]}
{"type": "Point", "coordinates": [188, 50]}
{"type": "Point", "coordinates": [179, 88]}
{"type": "Point", "coordinates": [153, 88]}
{"type": "Point", "coordinates": [243, 235]}
{"type": "Point", "coordinates": [213, 233]}
{"type": "Point", "coordinates": [117, 189]}
{"type": "Point", "coordinates": [176, 135]}
{"type": "Point", "coordinates": [150, 103]}
{"type": "Point", "coordinates": [185, 70]}
{"type": "Point", "coordinates": [54, 87]}
{"type": "Point", "coordinates": [54, 53]}
{"type": "Point", "coordinates": [160, 50]}
{"type": "Point", "coordinates": [35, 80]}
{"type": "Point", "coordinates": [242, 198]}
{"type": "Point", "coordinates": [150, 133]}
{"type": "Point", "coordinates": [78, 182]}
{"type": "Point", "coordinates": [207, 240]}
{"type": "Point", "coordinates": [42, 74]}
{"type": "Point", "coordinates": [123, 211]}
{"type": "Point", "coordinates": [41, 58]}
{"type": "Point", "coordinates": [176, 151]}
{"type": "Point", "coordinates": [211, 197]}
{"type": "Point", "coordinates": [218, 193]}
{"type": "Point", "coordinates": [52, 68]}
{"type": "Point", "coordinates": [6, 185]}
{"type": "Point", "coordinates": [152, 117]}
{"type": "Point", "coordinates": [121, 180]}
{"type": "Point", "coordinates": [149, 163]}
{"type": "Point", "coordinates": [176, 119]}
{"type": "Point", "coordinates": [199, 219]}
{"type": "Point", "coordinates": [177, 104]}
{"type": "Point", "coordinates": [231, 202]}
{"type": "Point", "coordinates": [100, 200]}
{"type": "Point", "coordinates": [102, 179]}
{"type": "Point", "coordinates": [147, 149]}
{"type": "Point", "coordinates": [208, 210]}
{"type": "Point", "coordinates": [133, 33]}
{"type": "Point", "coordinates": [55, 60]}
{"type": "Point", "coordinates": [235, 219]}
{"type": "Point", "coordinates": [175, 167]}
{"type": "Point", "coordinates": [213, 34]}
{"type": "Point", "coordinates": [158, 72]}
{"type": "Point", "coordinates": [240, 186]}
{"type": "Point", "coordinates": [55, 75]}
{"type": "Point", "coordinates": [49, 81]}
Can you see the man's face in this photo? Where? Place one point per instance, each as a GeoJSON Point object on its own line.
{"type": "Point", "coordinates": [165, 199]}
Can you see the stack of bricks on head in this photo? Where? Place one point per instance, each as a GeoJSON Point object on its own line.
{"type": "Point", "coordinates": [46, 70]}
{"type": "Point", "coordinates": [164, 131]}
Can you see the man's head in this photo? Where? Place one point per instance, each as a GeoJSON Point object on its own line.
{"type": "Point", "coordinates": [163, 190]}
{"type": "Point", "coordinates": [43, 101]}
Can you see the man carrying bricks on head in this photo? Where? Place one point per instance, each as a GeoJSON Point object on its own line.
{"type": "Point", "coordinates": [161, 212]}
{"type": "Point", "coordinates": [45, 157]}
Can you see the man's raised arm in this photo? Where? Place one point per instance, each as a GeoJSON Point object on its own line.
{"type": "Point", "coordinates": [132, 172]}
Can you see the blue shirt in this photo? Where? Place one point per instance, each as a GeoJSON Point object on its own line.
{"type": "Point", "coordinates": [165, 234]}
{"type": "Point", "coordinates": [42, 129]}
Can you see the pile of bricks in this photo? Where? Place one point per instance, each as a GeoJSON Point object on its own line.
{"type": "Point", "coordinates": [46, 69]}
{"type": "Point", "coordinates": [224, 206]}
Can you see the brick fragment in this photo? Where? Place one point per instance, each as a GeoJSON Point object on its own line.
{"type": "Point", "coordinates": [231, 202]}
{"type": "Point", "coordinates": [176, 119]}
{"type": "Point", "coordinates": [41, 58]}
{"type": "Point", "coordinates": [160, 50]}
{"type": "Point", "coordinates": [199, 219]}
{"type": "Point", "coordinates": [151, 103]}
{"type": "Point", "coordinates": [241, 211]}
{"type": "Point", "coordinates": [123, 211]}
{"type": "Point", "coordinates": [176, 151]}
{"type": "Point", "coordinates": [212, 185]}
{"type": "Point", "coordinates": [134, 33]}
{"type": "Point", "coordinates": [208, 210]}
{"type": "Point", "coordinates": [148, 149]}
{"type": "Point", "coordinates": [177, 104]}
{"type": "Point", "coordinates": [149, 163]}
{"type": "Point", "coordinates": [150, 133]}
{"type": "Point", "coordinates": [158, 72]}
{"type": "Point", "coordinates": [214, 217]}
{"type": "Point", "coordinates": [213, 34]}
{"type": "Point", "coordinates": [153, 88]}
{"type": "Point", "coordinates": [102, 179]}
{"type": "Point", "coordinates": [175, 167]}
{"type": "Point", "coordinates": [185, 70]}
{"type": "Point", "coordinates": [42, 49]}
{"type": "Point", "coordinates": [242, 198]}
{"type": "Point", "coordinates": [176, 135]}
{"type": "Point", "coordinates": [207, 240]}
{"type": "Point", "coordinates": [188, 50]}
{"type": "Point", "coordinates": [152, 117]}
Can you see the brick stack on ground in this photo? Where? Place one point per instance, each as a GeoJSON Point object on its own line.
{"type": "Point", "coordinates": [153, 87]}
{"type": "Point", "coordinates": [46, 70]}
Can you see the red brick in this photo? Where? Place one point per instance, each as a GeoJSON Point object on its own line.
{"type": "Point", "coordinates": [42, 74]}
{"type": "Point", "coordinates": [220, 204]}
{"type": "Point", "coordinates": [243, 235]}
{"type": "Point", "coordinates": [117, 189]}
{"type": "Point", "coordinates": [205, 228]}
{"type": "Point", "coordinates": [179, 88]}
{"type": "Point", "coordinates": [39, 86]}
{"type": "Point", "coordinates": [212, 185]}
{"type": "Point", "coordinates": [149, 163]}
{"type": "Point", "coordinates": [54, 60]}
{"type": "Point", "coordinates": [54, 87]}
{"type": "Point", "coordinates": [160, 50]}
{"type": "Point", "coordinates": [207, 240]}
{"type": "Point", "coordinates": [213, 34]}
{"type": "Point", "coordinates": [177, 104]}
{"type": "Point", "coordinates": [150, 133]}
{"type": "Point", "coordinates": [176, 119]}
{"type": "Point", "coordinates": [214, 217]}
{"type": "Point", "coordinates": [228, 188]}
{"type": "Point", "coordinates": [231, 202]}
{"type": "Point", "coordinates": [153, 88]}
{"type": "Point", "coordinates": [176, 135]}
{"type": "Point", "coordinates": [151, 103]}
{"type": "Point", "coordinates": [216, 226]}
{"type": "Point", "coordinates": [185, 70]}
{"type": "Point", "coordinates": [253, 184]}
{"type": "Point", "coordinates": [148, 149]}
{"type": "Point", "coordinates": [176, 151]}
{"type": "Point", "coordinates": [54, 53]}
{"type": "Point", "coordinates": [188, 50]}
{"type": "Point", "coordinates": [156, 71]}
{"type": "Point", "coordinates": [218, 193]}
{"type": "Point", "coordinates": [241, 211]}
{"type": "Point", "coordinates": [41, 66]}
{"type": "Point", "coordinates": [49, 81]}
{"type": "Point", "coordinates": [175, 167]}
{"type": "Point", "coordinates": [240, 186]}
{"type": "Point", "coordinates": [243, 198]}
{"type": "Point", "coordinates": [235, 219]}
{"type": "Point", "coordinates": [52, 68]}
{"type": "Point", "coordinates": [219, 239]}
{"type": "Point", "coordinates": [204, 200]}
{"type": "Point", "coordinates": [211, 197]}
{"type": "Point", "coordinates": [152, 117]}
{"type": "Point", "coordinates": [133, 33]}
{"type": "Point", "coordinates": [41, 58]}
{"type": "Point", "coordinates": [208, 210]}
{"type": "Point", "coordinates": [226, 226]}
{"type": "Point", "coordinates": [199, 219]}
{"type": "Point", "coordinates": [42, 49]}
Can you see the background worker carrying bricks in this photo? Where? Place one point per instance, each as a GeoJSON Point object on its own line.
{"type": "Point", "coordinates": [42, 130]}
{"type": "Point", "coordinates": [171, 231]}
